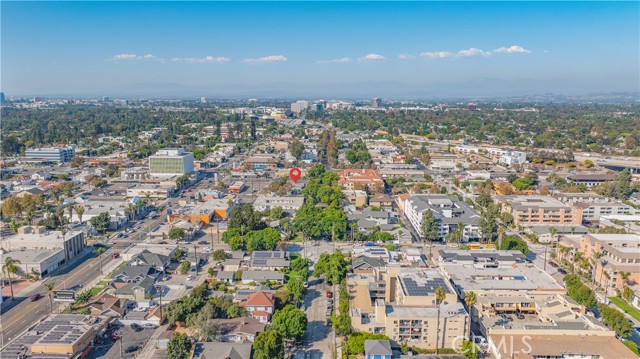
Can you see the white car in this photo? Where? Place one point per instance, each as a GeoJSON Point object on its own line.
{"type": "Point", "coordinates": [190, 278]}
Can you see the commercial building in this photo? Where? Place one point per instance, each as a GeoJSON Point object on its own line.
{"type": "Point", "coordinates": [400, 303]}
{"type": "Point", "coordinates": [449, 211]}
{"type": "Point", "coordinates": [592, 179]}
{"type": "Point", "coordinates": [269, 201]}
{"type": "Point", "coordinates": [50, 154]}
{"type": "Point", "coordinates": [261, 163]}
{"type": "Point", "coordinates": [41, 251]}
{"type": "Point", "coordinates": [161, 191]}
{"type": "Point", "coordinates": [207, 212]}
{"type": "Point", "coordinates": [527, 210]}
{"type": "Point", "coordinates": [171, 162]}
{"type": "Point", "coordinates": [57, 336]}
{"type": "Point", "coordinates": [299, 106]}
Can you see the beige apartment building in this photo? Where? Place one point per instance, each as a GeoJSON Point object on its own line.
{"type": "Point", "coordinates": [400, 303]}
{"type": "Point", "coordinates": [530, 210]}
{"type": "Point", "coordinates": [615, 256]}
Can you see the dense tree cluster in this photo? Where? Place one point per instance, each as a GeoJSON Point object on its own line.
{"type": "Point", "coordinates": [616, 321]}
{"type": "Point", "coordinates": [332, 265]}
{"type": "Point", "coordinates": [580, 292]}
{"type": "Point", "coordinates": [513, 243]}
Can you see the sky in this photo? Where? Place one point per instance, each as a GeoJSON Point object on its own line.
{"type": "Point", "coordinates": [331, 49]}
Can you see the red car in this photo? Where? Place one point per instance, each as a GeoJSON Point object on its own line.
{"type": "Point", "coordinates": [329, 294]}
{"type": "Point", "coordinates": [553, 264]}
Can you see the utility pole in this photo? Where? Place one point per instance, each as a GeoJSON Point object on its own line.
{"type": "Point", "coordinates": [545, 259]}
{"type": "Point", "coordinates": [120, 340]}
{"type": "Point", "coordinates": [160, 290]}
{"type": "Point", "coordinates": [195, 257]}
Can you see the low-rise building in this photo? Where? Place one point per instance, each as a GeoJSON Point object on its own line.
{"type": "Point", "coordinates": [361, 179]}
{"type": "Point", "coordinates": [266, 202]}
{"type": "Point", "coordinates": [260, 305]}
{"type": "Point", "coordinates": [269, 260]}
{"type": "Point", "coordinates": [262, 276]}
{"type": "Point", "coordinates": [50, 154]}
{"type": "Point", "coordinates": [218, 350]}
{"type": "Point", "coordinates": [593, 211]}
{"type": "Point", "coordinates": [151, 191]}
{"type": "Point", "coordinates": [592, 179]}
{"type": "Point", "coordinates": [63, 336]}
{"type": "Point", "coordinates": [40, 251]}
{"type": "Point", "coordinates": [357, 198]}
{"type": "Point", "coordinates": [261, 163]}
{"type": "Point", "coordinates": [171, 162]}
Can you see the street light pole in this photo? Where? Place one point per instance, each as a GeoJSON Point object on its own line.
{"type": "Point", "coordinates": [545, 259]}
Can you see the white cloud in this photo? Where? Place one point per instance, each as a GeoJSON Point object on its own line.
{"type": "Point", "coordinates": [341, 60]}
{"type": "Point", "coordinates": [372, 57]}
{"type": "Point", "coordinates": [438, 54]}
{"type": "Point", "coordinates": [266, 59]}
{"type": "Point", "coordinates": [406, 56]}
{"type": "Point", "coordinates": [473, 52]}
{"type": "Point", "coordinates": [514, 49]}
{"type": "Point", "coordinates": [134, 57]}
{"type": "Point", "coordinates": [202, 60]}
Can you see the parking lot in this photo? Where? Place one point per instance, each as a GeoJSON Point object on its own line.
{"type": "Point", "coordinates": [109, 348]}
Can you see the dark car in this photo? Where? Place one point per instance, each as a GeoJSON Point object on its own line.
{"type": "Point", "coordinates": [137, 327]}
{"type": "Point", "coordinates": [553, 264]}
{"type": "Point", "coordinates": [35, 297]}
{"type": "Point", "coordinates": [131, 348]}
{"type": "Point", "coordinates": [562, 271]}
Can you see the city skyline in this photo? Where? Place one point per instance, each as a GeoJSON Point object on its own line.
{"type": "Point", "coordinates": [319, 49]}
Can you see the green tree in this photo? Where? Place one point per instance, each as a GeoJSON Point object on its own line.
{"type": "Point", "coordinates": [513, 243]}
{"type": "Point", "coordinates": [469, 350]}
{"type": "Point", "coordinates": [10, 267]}
{"type": "Point", "coordinates": [333, 266]}
{"type": "Point", "coordinates": [268, 345]}
{"type": "Point", "coordinates": [430, 228]}
{"type": "Point", "coordinates": [296, 148]}
{"type": "Point", "coordinates": [79, 209]}
{"type": "Point", "coordinates": [356, 341]}
{"type": "Point", "coordinates": [48, 287]}
{"type": "Point", "coordinates": [616, 321]}
{"type": "Point", "coordinates": [179, 346]}
{"type": "Point", "coordinates": [219, 255]}
{"type": "Point", "coordinates": [290, 322]}
{"type": "Point", "coordinates": [185, 266]}
{"type": "Point", "coordinates": [101, 222]}
{"type": "Point", "coordinates": [176, 233]}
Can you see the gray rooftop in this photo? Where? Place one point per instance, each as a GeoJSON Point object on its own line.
{"type": "Point", "coordinates": [447, 209]}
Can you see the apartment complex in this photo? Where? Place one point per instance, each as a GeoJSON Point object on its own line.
{"type": "Point", "coordinates": [401, 304]}
{"type": "Point", "coordinates": [50, 154]}
{"type": "Point", "coordinates": [355, 179]}
{"type": "Point", "coordinates": [618, 255]}
{"type": "Point", "coordinates": [449, 211]}
{"type": "Point", "coordinates": [270, 201]}
{"type": "Point", "coordinates": [171, 162]}
{"type": "Point", "coordinates": [593, 211]}
{"type": "Point", "coordinates": [592, 179]}
{"type": "Point", "coordinates": [261, 163]}
{"type": "Point", "coordinates": [528, 210]}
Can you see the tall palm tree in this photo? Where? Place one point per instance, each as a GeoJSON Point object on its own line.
{"type": "Point", "coordinates": [553, 231]}
{"type": "Point", "coordinates": [501, 232]}
{"type": "Point", "coordinates": [70, 209]}
{"type": "Point", "coordinates": [440, 296]}
{"type": "Point", "coordinates": [49, 288]}
{"type": "Point", "coordinates": [10, 267]}
{"type": "Point", "coordinates": [79, 211]}
{"type": "Point", "coordinates": [461, 228]}
{"type": "Point", "coordinates": [470, 300]}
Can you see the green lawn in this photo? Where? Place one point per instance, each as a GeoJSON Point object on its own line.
{"type": "Point", "coordinates": [102, 283]}
{"type": "Point", "coordinates": [626, 307]}
{"type": "Point", "coordinates": [95, 291]}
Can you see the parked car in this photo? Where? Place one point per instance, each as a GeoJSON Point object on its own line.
{"type": "Point", "coordinates": [35, 297]}
{"type": "Point", "coordinates": [149, 326]}
{"type": "Point", "coordinates": [131, 348]}
{"type": "Point", "coordinates": [553, 264]}
{"type": "Point", "coordinates": [562, 271]}
{"type": "Point", "coordinates": [190, 278]}
{"type": "Point", "coordinates": [329, 294]}
{"type": "Point", "coordinates": [137, 327]}
{"type": "Point", "coordinates": [115, 255]}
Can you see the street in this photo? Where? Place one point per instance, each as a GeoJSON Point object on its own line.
{"type": "Point", "coordinates": [319, 341]}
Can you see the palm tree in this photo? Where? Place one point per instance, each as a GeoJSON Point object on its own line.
{"type": "Point", "coordinates": [501, 233]}
{"type": "Point", "coordinates": [553, 231]}
{"type": "Point", "coordinates": [460, 231]}
{"type": "Point", "coordinates": [31, 214]}
{"type": "Point", "coordinates": [10, 267]}
{"type": "Point", "coordinates": [99, 252]}
{"type": "Point", "coordinates": [49, 288]}
{"type": "Point", "coordinates": [578, 257]}
{"type": "Point", "coordinates": [470, 300]}
{"type": "Point", "coordinates": [70, 209]}
{"type": "Point", "coordinates": [79, 211]}
{"type": "Point", "coordinates": [440, 296]}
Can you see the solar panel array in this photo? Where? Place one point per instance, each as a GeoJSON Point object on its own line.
{"type": "Point", "coordinates": [430, 285]}
{"type": "Point", "coordinates": [264, 254]}
{"type": "Point", "coordinates": [260, 262]}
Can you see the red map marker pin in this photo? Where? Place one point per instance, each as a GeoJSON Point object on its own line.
{"type": "Point", "coordinates": [295, 174]}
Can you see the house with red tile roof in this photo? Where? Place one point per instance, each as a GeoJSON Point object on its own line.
{"type": "Point", "coordinates": [260, 305]}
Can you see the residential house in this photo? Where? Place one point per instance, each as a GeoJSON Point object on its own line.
{"type": "Point", "coordinates": [377, 349]}
{"type": "Point", "coordinates": [365, 264]}
{"type": "Point", "coordinates": [107, 304]}
{"type": "Point", "coordinates": [363, 179]}
{"type": "Point", "coordinates": [262, 276]}
{"type": "Point", "coordinates": [260, 305]}
{"type": "Point", "coordinates": [239, 329]}
{"type": "Point", "coordinates": [381, 200]}
{"type": "Point", "coordinates": [219, 350]}
{"type": "Point", "coordinates": [358, 198]}
{"type": "Point", "coordinates": [269, 260]}
{"type": "Point", "coordinates": [449, 211]}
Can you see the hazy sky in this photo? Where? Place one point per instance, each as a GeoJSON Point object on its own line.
{"type": "Point", "coordinates": [289, 48]}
